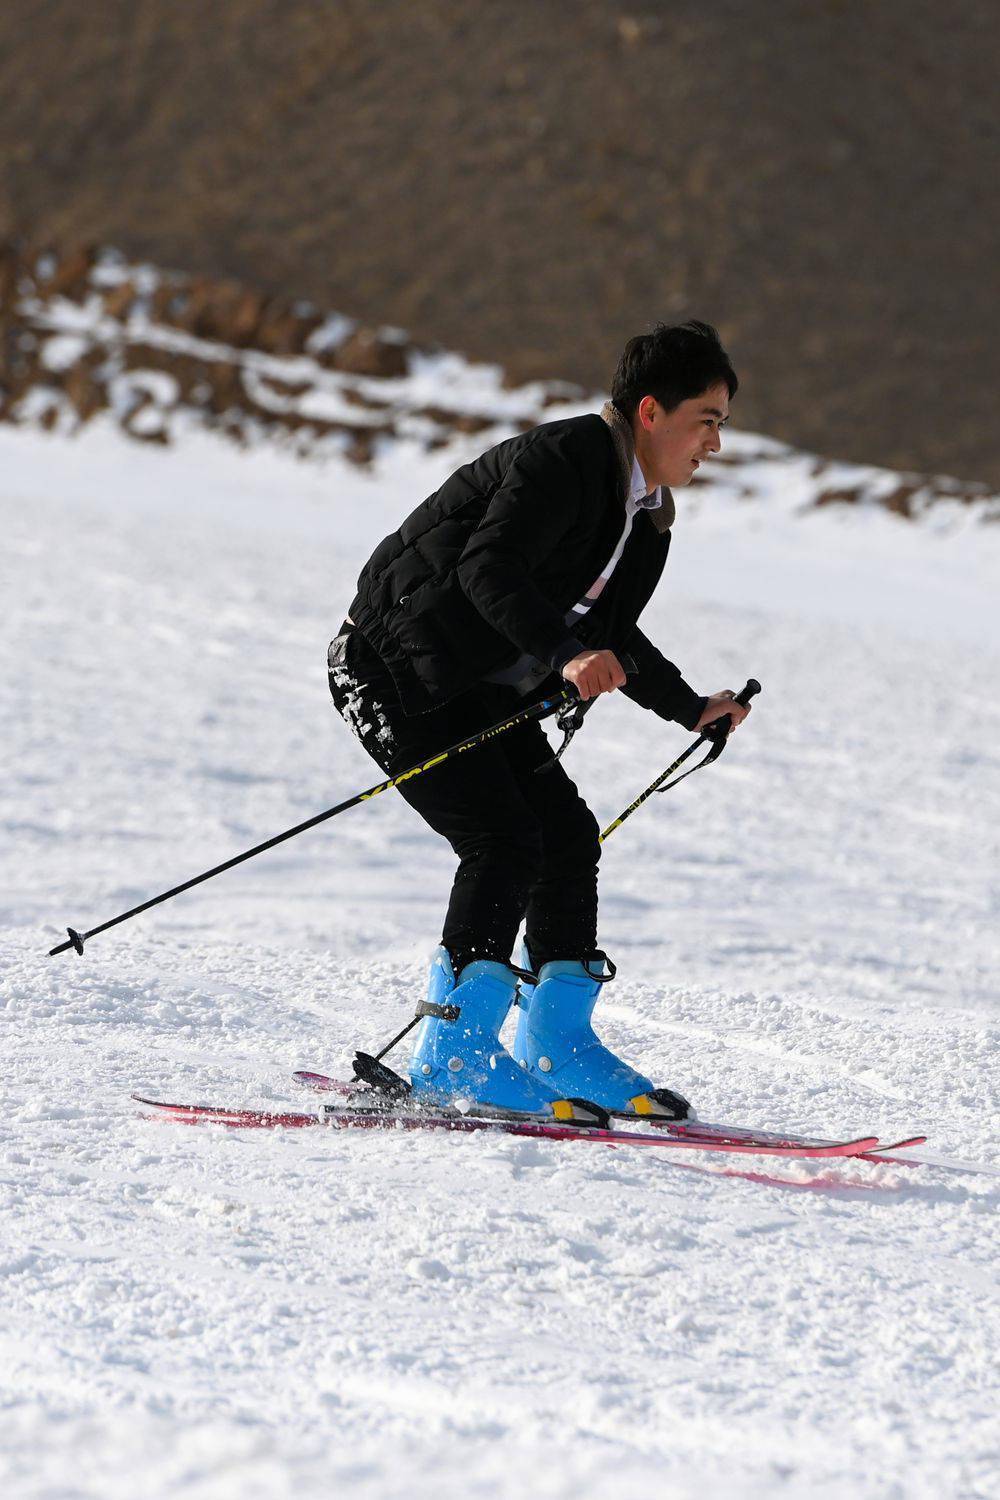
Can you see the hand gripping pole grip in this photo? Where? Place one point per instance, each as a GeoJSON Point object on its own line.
{"type": "Point", "coordinates": [719, 729]}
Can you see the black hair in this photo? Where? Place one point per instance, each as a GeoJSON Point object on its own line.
{"type": "Point", "coordinates": [672, 363]}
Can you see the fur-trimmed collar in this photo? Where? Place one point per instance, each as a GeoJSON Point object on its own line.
{"type": "Point", "coordinates": [663, 517]}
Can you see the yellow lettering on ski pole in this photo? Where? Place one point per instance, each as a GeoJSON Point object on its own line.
{"type": "Point", "coordinates": [367, 796]}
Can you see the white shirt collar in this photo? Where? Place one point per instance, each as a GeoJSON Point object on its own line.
{"type": "Point", "coordinates": [640, 496]}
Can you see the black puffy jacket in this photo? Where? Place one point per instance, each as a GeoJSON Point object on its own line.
{"type": "Point", "coordinates": [487, 568]}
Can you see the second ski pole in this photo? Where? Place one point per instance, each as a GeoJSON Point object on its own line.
{"type": "Point", "coordinates": [552, 704]}
{"type": "Point", "coordinates": [714, 734]}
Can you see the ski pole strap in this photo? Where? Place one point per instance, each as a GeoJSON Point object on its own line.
{"type": "Point", "coordinates": [716, 733]}
{"type": "Point", "coordinates": [570, 718]}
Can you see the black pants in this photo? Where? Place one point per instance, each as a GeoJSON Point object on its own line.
{"type": "Point", "coordinates": [527, 843]}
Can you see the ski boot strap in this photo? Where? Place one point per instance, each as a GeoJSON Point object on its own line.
{"type": "Point", "coordinates": [600, 958]}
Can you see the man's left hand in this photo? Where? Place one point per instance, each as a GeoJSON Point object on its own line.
{"type": "Point", "coordinates": [720, 704]}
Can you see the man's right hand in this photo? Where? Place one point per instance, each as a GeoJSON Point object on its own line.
{"type": "Point", "coordinates": [594, 672]}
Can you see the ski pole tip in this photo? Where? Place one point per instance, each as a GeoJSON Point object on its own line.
{"type": "Point", "coordinates": [75, 941]}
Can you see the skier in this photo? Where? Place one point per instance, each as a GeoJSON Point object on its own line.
{"type": "Point", "coordinates": [535, 559]}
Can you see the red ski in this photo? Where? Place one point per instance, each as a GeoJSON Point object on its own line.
{"type": "Point", "coordinates": [696, 1132]}
{"type": "Point", "coordinates": [352, 1116]}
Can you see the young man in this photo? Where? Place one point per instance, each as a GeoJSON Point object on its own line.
{"type": "Point", "coordinates": [536, 559]}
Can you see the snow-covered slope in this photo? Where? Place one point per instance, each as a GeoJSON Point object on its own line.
{"type": "Point", "coordinates": [806, 936]}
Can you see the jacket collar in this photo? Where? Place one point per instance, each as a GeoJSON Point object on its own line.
{"type": "Point", "coordinates": [621, 434]}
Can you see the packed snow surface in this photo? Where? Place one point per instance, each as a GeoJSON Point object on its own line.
{"type": "Point", "coordinates": [806, 935]}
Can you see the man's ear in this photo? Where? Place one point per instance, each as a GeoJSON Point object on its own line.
{"type": "Point", "coordinates": [649, 403]}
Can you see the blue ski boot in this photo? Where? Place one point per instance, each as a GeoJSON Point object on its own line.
{"type": "Point", "coordinates": [556, 1042]}
{"type": "Point", "coordinates": [457, 1053]}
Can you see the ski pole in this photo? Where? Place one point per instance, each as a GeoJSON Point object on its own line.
{"type": "Point", "coordinates": [715, 734]}
{"type": "Point", "coordinates": [545, 706]}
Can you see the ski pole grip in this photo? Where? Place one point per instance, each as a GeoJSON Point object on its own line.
{"type": "Point", "coordinates": [743, 698]}
{"type": "Point", "coordinates": [719, 728]}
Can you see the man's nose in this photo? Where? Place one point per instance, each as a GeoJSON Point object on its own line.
{"type": "Point", "coordinates": [715, 440]}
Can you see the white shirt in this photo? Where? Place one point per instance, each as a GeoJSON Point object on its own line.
{"type": "Point", "coordinates": [640, 497]}
{"type": "Point", "coordinates": [527, 671]}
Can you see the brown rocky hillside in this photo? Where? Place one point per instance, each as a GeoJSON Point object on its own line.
{"type": "Point", "coordinates": [532, 182]}
{"type": "Point", "coordinates": [89, 340]}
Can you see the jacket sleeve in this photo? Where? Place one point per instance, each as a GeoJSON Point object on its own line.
{"type": "Point", "coordinates": [534, 507]}
{"type": "Point", "coordinates": [658, 685]}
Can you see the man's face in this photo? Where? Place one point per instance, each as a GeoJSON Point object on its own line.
{"type": "Point", "coordinates": [672, 444]}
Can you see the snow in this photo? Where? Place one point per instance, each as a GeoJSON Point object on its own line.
{"type": "Point", "coordinates": [806, 935]}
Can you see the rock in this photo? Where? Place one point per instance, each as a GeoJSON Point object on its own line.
{"type": "Point", "coordinates": [286, 390]}
{"type": "Point", "coordinates": [282, 330]}
{"type": "Point", "coordinates": [168, 301]}
{"type": "Point", "coordinates": [87, 394]}
{"type": "Point", "coordinates": [900, 500]}
{"type": "Point", "coordinates": [119, 300]}
{"type": "Point", "coordinates": [246, 318]}
{"type": "Point", "coordinates": [193, 312]}
{"type": "Point", "coordinates": [360, 449]}
{"type": "Point", "coordinates": [227, 387]}
{"type": "Point", "coordinates": [227, 313]}
{"type": "Point", "coordinates": [71, 276]}
{"type": "Point", "coordinates": [20, 366]}
{"type": "Point", "coordinates": [9, 276]}
{"type": "Point", "coordinates": [456, 421]}
{"type": "Point", "coordinates": [362, 399]}
{"type": "Point", "coordinates": [365, 352]}
{"type": "Point", "coordinates": [562, 392]}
